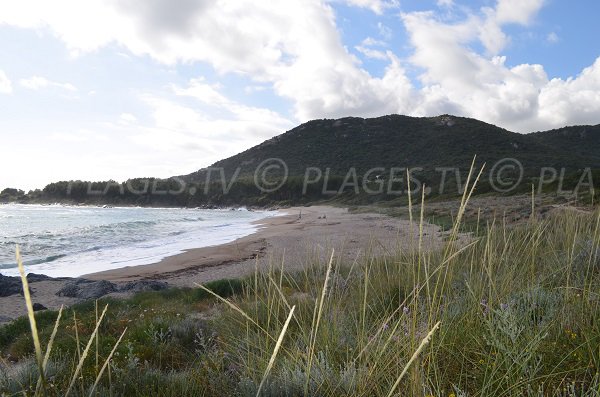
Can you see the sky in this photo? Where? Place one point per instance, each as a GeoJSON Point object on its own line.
{"type": "Point", "coordinates": [114, 89]}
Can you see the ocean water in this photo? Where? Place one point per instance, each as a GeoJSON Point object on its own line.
{"type": "Point", "coordinates": [64, 241]}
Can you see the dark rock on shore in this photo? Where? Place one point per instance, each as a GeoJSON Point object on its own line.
{"type": "Point", "coordinates": [10, 286]}
{"type": "Point", "coordinates": [34, 278]}
{"type": "Point", "coordinates": [143, 285]}
{"type": "Point", "coordinates": [38, 306]}
{"type": "Point", "coordinates": [78, 288]}
{"type": "Point", "coordinates": [87, 289]}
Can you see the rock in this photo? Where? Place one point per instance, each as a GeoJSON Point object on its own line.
{"type": "Point", "coordinates": [34, 278]}
{"type": "Point", "coordinates": [143, 285]}
{"type": "Point", "coordinates": [69, 290]}
{"type": "Point", "coordinates": [10, 286]}
{"type": "Point", "coordinates": [87, 289]}
{"type": "Point", "coordinates": [38, 306]}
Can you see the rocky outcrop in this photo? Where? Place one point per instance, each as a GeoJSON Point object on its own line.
{"type": "Point", "coordinates": [143, 285]}
{"type": "Point", "coordinates": [10, 286]}
{"type": "Point", "coordinates": [87, 289]}
{"type": "Point", "coordinates": [34, 278]}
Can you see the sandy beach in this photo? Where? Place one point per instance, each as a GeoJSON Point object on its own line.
{"type": "Point", "coordinates": [300, 236]}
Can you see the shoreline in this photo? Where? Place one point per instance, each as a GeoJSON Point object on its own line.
{"type": "Point", "coordinates": [222, 227]}
{"type": "Point", "coordinates": [240, 249]}
{"type": "Point", "coordinates": [288, 241]}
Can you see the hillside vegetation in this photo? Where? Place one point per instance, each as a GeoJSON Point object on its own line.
{"type": "Point", "coordinates": [336, 147]}
{"type": "Point", "coordinates": [403, 141]}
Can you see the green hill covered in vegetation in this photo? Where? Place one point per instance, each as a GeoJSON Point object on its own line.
{"type": "Point", "coordinates": [350, 158]}
{"type": "Point", "coordinates": [402, 141]}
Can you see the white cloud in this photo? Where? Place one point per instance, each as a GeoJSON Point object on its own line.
{"type": "Point", "coordinates": [127, 118]}
{"type": "Point", "coordinates": [517, 11]}
{"type": "Point", "coordinates": [365, 48]}
{"type": "Point", "coordinates": [552, 38]}
{"type": "Point", "coordinates": [369, 41]}
{"type": "Point", "coordinates": [81, 136]}
{"type": "Point", "coordinates": [212, 128]}
{"type": "Point", "coordinates": [458, 80]}
{"type": "Point", "coordinates": [445, 3]}
{"type": "Point", "coordinates": [5, 84]}
{"type": "Point", "coordinates": [384, 31]}
{"type": "Point", "coordinates": [37, 83]}
{"type": "Point", "coordinates": [294, 45]}
{"type": "Point", "coordinates": [371, 53]}
{"type": "Point", "coordinates": [209, 94]}
{"type": "Point", "coordinates": [572, 101]}
{"type": "Point", "coordinates": [178, 128]}
{"type": "Point", "coordinates": [294, 49]}
{"type": "Point", "coordinates": [250, 89]}
{"type": "Point", "coordinates": [377, 6]}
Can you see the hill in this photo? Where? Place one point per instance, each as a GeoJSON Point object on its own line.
{"type": "Point", "coordinates": [402, 141]}
{"type": "Point", "coordinates": [360, 161]}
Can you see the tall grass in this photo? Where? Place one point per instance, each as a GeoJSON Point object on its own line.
{"type": "Point", "coordinates": [509, 310]}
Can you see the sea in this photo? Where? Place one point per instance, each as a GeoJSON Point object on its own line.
{"type": "Point", "coordinates": [63, 241]}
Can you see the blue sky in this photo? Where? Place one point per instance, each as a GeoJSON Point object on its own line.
{"type": "Point", "coordinates": [101, 90]}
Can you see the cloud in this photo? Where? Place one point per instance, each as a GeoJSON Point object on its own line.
{"type": "Point", "coordinates": [209, 128]}
{"type": "Point", "coordinates": [371, 53]}
{"type": "Point", "coordinates": [294, 46]}
{"type": "Point", "coordinates": [552, 38]}
{"type": "Point", "coordinates": [517, 11]}
{"type": "Point", "coordinates": [369, 41]}
{"type": "Point", "coordinates": [384, 31]}
{"type": "Point", "coordinates": [572, 101]}
{"type": "Point", "coordinates": [209, 95]}
{"type": "Point", "coordinates": [365, 48]}
{"type": "Point", "coordinates": [36, 83]}
{"type": "Point", "coordinates": [377, 6]}
{"type": "Point", "coordinates": [445, 3]}
{"type": "Point", "coordinates": [5, 84]}
{"type": "Point", "coordinates": [127, 118]}
{"type": "Point", "coordinates": [458, 80]}
{"type": "Point", "coordinates": [295, 50]}
{"type": "Point", "coordinates": [250, 89]}
{"type": "Point", "coordinates": [184, 131]}
{"type": "Point", "coordinates": [81, 136]}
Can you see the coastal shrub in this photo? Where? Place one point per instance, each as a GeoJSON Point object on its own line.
{"type": "Point", "coordinates": [22, 377]}
{"type": "Point", "coordinates": [20, 328]}
{"type": "Point", "coordinates": [224, 288]}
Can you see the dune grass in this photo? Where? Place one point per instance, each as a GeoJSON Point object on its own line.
{"type": "Point", "coordinates": [510, 311]}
